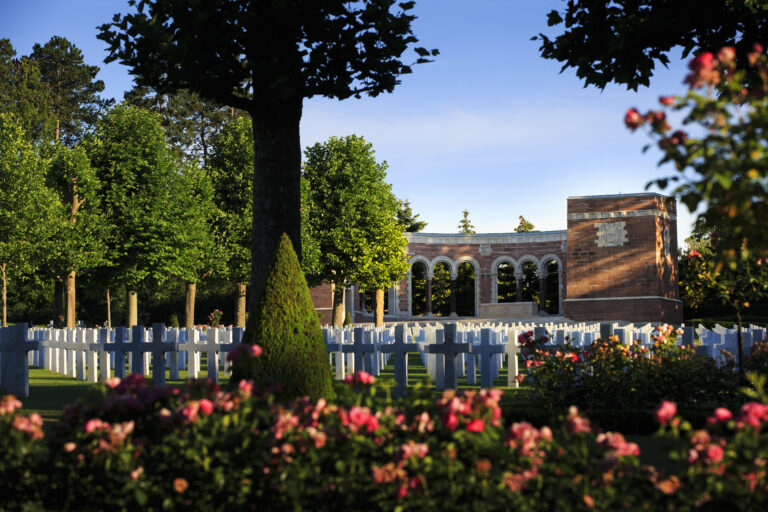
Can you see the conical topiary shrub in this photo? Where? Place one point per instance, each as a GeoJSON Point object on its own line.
{"type": "Point", "coordinates": [348, 319]}
{"type": "Point", "coordinates": [285, 325]}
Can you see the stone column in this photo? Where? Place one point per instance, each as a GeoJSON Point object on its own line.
{"type": "Point", "coordinates": [362, 301]}
{"type": "Point", "coordinates": [519, 286]}
{"type": "Point", "coordinates": [429, 297]}
{"type": "Point", "coordinates": [453, 297]}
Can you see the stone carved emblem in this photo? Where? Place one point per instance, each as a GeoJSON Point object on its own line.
{"type": "Point", "coordinates": [611, 234]}
{"type": "Point", "coordinates": [485, 249]}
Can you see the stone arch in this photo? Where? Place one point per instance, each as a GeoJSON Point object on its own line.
{"type": "Point", "coordinates": [476, 265]}
{"type": "Point", "coordinates": [442, 259]}
{"type": "Point", "coordinates": [528, 283]}
{"type": "Point", "coordinates": [422, 259]}
{"type": "Point", "coordinates": [544, 274]}
{"type": "Point", "coordinates": [409, 284]}
{"type": "Point", "coordinates": [495, 275]}
{"type": "Point", "coordinates": [523, 259]}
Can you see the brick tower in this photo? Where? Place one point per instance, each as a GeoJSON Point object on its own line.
{"type": "Point", "coordinates": [622, 258]}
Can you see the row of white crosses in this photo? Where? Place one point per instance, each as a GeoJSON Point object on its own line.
{"type": "Point", "coordinates": [91, 354]}
{"type": "Point", "coordinates": [720, 338]}
{"type": "Point", "coordinates": [448, 352]}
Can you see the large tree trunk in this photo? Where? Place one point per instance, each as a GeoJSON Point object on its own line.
{"type": "Point", "coordinates": [338, 305]}
{"type": "Point", "coordinates": [58, 303]}
{"type": "Point", "coordinates": [132, 308]}
{"type": "Point", "coordinates": [4, 296]}
{"type": "Point", "coordinates": [378, 307]}
{"type": "Point", "coordinates": [240, 305]}
{"type": "Point", "coordinates": [189, 307]}
{"type": "Point", "coordinates": [109, 310]}
{"type": "Point", "coordinates": [70, 291]}
{"type": "Point", "coordinates": [276, 188]}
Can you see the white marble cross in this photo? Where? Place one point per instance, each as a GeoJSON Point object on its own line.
{"type": "Point", "coordinates": [512, 349]}
{"type": "Point", "coordinates": [486, 350]}
{"type": "Point", "coordinates": [14, 369]}
{"type": "Point", "coordinates": [400, 350]}
{"type": "Point", "coordinates": [448, 350]}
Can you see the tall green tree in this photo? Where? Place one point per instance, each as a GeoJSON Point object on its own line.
{"type": "Point", "coordinates": [621, 41]}
{"type": "Point", "coordinates": [28, 209]}
{"type": "Point", "coordinates": [190, 122]}
{"type": "Point", "coordinates": [465, 225]}
{"type": "Point", "coordinates": [383, 261]}
{"type": "Point", "coordinates": [23, 95]}
{"type": "Point", "coordinates": [143, 193]}
{"type": "Point", "coordinates": [198, 253]}
{"type": "Point", "coordinates": [79, 241]}
{"type": "Point", "coordinates": [72, 88]}
{"type": "Point", "coordinates": [410, 220]}
{"type": "Point", "coordinates": [265, 58]}
{"type": "Point", "coordinates": [352, 219]}
{"type": "Point", "coordinates": [231, 170]}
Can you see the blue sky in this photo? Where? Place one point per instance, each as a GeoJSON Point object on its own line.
{"type": "Point", "coordinates": [489, 126]}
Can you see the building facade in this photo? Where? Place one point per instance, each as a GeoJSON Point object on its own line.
{"type": "Point", "coordinates": [617, 260]}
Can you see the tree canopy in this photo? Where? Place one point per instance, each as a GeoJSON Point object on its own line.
{"type": "Point", "coordinates": [352, 218]}
{"type": "Point", "coordinates": [28, 209]}
{"type": "Point", "coordinates": [524, 226]}
{"type": "Point", "coordinates": [621, 41]}
{"type": "Point", "coordinates": [265, 58]}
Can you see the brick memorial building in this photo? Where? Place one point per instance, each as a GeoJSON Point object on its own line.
{"type": "Point", "coordinates": [617, 260]}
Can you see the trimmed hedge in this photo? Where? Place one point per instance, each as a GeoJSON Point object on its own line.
{"type": "Point", "coordinates": [284, 324]}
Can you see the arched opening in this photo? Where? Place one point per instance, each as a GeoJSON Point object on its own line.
{"type": "Point", "coordinates": [465, 290]}
{"type": "Point", "coordinates": [441, 289]}
{"type": "Point", "coordinates": [530, 284]}
{"type": "Point", "coordinates": [552, 302]}
{"type": "Point", "coordinates": [419, 288]}
{"type": "Point", "coordinates": [506, 283]}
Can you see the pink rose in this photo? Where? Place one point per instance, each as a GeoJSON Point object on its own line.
{"type": "Point", "coordinates": [633, 119]}
{"type": "Point", "coordinates": [95, 424]}
{"type": "Point", "coordinates": [714, 453]}
{"type": "Point", "coordinates": [726, 54]}
{"type": "Point", "coordinates": [451, 421]}
{"type": "Point", "coordinates": [665, 412]}
{"type": "Point", "coordinates": [359, 415]}
{"type": "Point", "coordinates": [206, 406]}
{"type": "Point", "coordinates": [753, 413]}
{"type": "Point", "coordinates": [667, 100]}
{"type": "Point", "coordinates": [722, 414]}
{"type": "Point", "coordinates": [190, 411]}
{"type": "Point", "coordinates": [703, 62]}
{"type": "Point", "coordinates": [476, 425]}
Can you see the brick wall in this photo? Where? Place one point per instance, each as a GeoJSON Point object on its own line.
{"type": "Point", "coordinates": [617, 250]}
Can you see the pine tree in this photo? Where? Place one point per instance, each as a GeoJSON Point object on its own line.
{"type": "Point", "coordinates": [410, 220]}
{"type": "Point", "coordinates": [465, 225]}
{"type": "Point", "coordinates": [524, 226]}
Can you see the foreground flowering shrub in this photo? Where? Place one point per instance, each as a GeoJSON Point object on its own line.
{"type": "Point", "coordinates": [20, 446]}
{"type": "Point", "coordinates": [613, 375]}
{"type": "Point", "coordinates": [203, 448]}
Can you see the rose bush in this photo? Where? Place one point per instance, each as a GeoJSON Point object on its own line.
{"type": "Point", "coordinates": [204, 448]}
{"type": "Point", "coordinates": [613, 375]}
